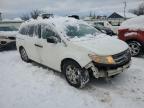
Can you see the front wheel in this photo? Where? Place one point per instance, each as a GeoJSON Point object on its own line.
{"type": "Point", "coordinates": [135, 48]}
{"type": "Point", "coordinates": [75, 75]}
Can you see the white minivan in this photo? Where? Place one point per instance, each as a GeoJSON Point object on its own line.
{"type": "Point", "coordinates": [72, 47]}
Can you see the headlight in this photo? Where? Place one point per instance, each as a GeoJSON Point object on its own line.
{"type": "Point", "coordinates": [102, 59]}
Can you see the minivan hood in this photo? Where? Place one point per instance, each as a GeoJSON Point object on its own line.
{"type": "Point", "coordinates": [103, 46]}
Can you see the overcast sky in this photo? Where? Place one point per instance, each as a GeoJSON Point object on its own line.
{"type": "Point", "coordinates": [15, 8]}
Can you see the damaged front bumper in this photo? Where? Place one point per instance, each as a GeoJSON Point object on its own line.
{"type": "Point", "coordinates": [101, 70]}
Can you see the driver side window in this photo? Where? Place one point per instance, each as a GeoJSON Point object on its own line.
{"type": "Point", "coordinates": [47, 33]}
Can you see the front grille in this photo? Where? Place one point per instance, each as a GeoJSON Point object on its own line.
{"type": "Point", "coordinates": [123, 57]}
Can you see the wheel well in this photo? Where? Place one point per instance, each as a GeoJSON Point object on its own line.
{"type": "Point", "coordinates": [127, 41]}
{"type": "Point", "coordinates": [132, 40]}
{"type": "Point", "coordinates": [66, 60]}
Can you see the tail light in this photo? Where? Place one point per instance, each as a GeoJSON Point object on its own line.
{"type": "Point", "coordinates": [3, 42]}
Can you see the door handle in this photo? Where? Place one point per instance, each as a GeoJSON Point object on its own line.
{"type": "Point", "coordinates": [38, 45]}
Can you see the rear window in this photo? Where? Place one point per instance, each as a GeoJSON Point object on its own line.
{"type": "Point", "coordinates": [31, 31]}
{"type": "Point", "coordinates": [27, 30]}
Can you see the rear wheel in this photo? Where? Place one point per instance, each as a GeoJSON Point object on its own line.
{"type": "Point", "coordinates": [135, 48]}
{"type": "Point", "coordinates": [75, 75]}
{"type": "Point", "coordinates": [24, 55]}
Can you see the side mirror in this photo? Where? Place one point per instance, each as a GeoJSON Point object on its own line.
{"type": "Point", "coordinates": [52, 39]}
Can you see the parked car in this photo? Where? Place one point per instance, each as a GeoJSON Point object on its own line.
{"type": "Point", "coordinates": [103, 29]}
{"type": "Point", "coordinates": [72, 47]}
{"type": "Point", "coordinates": [7, 37]}
{"type": "Point", "coordinates": [132, 32]}
{"type": "Point", "coordinates": [74, 16]}
{"type": "Point", "coordinates": [107, 25]}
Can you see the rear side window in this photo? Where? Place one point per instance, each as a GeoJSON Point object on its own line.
{"type": "Point", "coordinates": [31, 31]}
{"type": "Point", "coordinates": [27, 30]}
{"type": "Point", "coordinates": [38, 31]}
{"type": "Point", "coordinates": [23, 31]}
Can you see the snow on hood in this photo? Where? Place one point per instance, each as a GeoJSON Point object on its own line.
{"type": "Point", "coordinates": [103, 45]}
{"type": "Point", "coordinates": [136, 23]}
{"type": "Point", "coordinates": [8, 33]}
{"type": "Point", "coordinates": [88, 37]}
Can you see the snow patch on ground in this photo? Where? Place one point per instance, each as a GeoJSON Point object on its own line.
{"type": "Point", "coordinates": [29, 85]}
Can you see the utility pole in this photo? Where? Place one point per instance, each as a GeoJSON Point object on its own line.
{"type": "Point", "coordinates": [125, 5]}
{"type": "Point", "coordinates": [90, 14]}
{"type": "Point", "coordinates": [0, 16]}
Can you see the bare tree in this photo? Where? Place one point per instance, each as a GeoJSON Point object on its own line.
{"type": "Point", "coordinates": [138, 11]}
{"type": "Point", "coordinates": [35, 13]}
{"type": "Point", "coordinates": [25, 17]}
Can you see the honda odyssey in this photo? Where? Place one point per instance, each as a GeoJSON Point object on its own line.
{"type": "Point", "coordinates": [72, 47]}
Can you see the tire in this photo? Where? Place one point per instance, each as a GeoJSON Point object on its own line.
{"type": "Point", "coordinates": [24, 55]}
{"type": "Point", "coordinates": [135, 48]}
{"type": "Point", "coordinates": [74, 74]}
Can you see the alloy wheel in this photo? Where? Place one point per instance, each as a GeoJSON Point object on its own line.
{"type": "Point", "coordinates": [135, 48]}
{"type": "Point", "coordinates": [73, 74]}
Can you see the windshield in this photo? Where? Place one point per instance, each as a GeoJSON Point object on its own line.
{"type": "Point", "coordinates": [81, 30]}
{"type": "Point", "coordinates": [8, 29]}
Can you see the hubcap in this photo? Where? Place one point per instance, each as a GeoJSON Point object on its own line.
{"type": "Point", "coordinates": [135, 49]}
{"type": "Point", "coordinates": [24, 55]}
{"type": "Point", "coordinates": [72, 74]}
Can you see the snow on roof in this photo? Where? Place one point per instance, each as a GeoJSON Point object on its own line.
{"type": "Point", "coordinates": [55, 20]}
{"type": "Point", "coordinates": [58, 22]}
{"type": "Point", "coordinates": [128, 15]}
{"type": "Point", "coordinates": [121, 15]}
{"type": "Point", "coordinates": [136, 23]}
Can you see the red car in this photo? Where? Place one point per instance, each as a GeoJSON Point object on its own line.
{"type": "Point", "coordinates": [132, 32]}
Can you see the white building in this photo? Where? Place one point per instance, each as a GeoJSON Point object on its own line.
{"type": "Point", "coordinates": [7, 22]}
{"type": "Point", "coordinates": [117, 18]}
{"type": "Point", "coordinates": [15, 22]}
